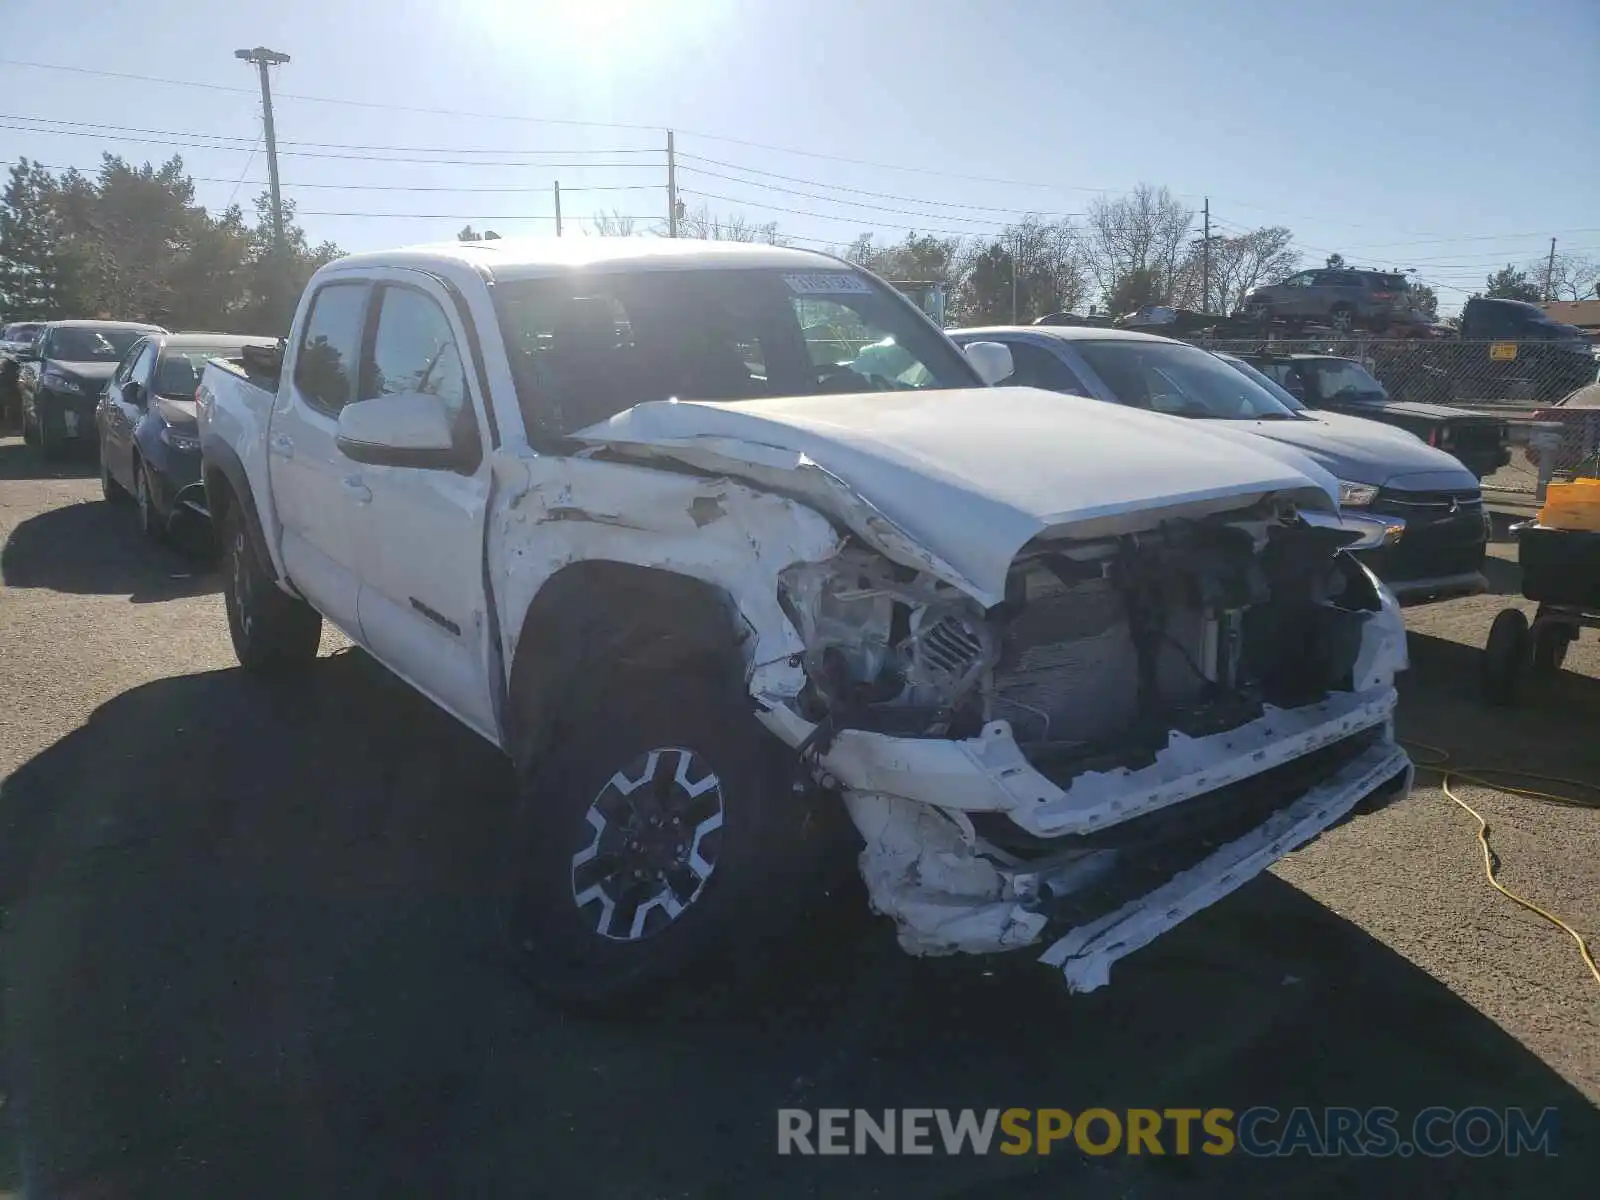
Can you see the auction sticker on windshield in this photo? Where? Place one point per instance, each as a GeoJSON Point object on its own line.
{"type": "Point", "coordinates": [833, 284]}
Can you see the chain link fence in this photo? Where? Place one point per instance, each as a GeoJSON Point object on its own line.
{"type": "Point", "coordinates": [1517, 381]}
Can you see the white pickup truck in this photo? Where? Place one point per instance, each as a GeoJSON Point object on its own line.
{"type": "Point", "coordinates": [716, 539]}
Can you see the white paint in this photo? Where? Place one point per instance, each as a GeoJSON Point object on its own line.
{"type": "Point", "coordinates": [970, 475]}
{"type": "Point", "coordinates": [952, 483]}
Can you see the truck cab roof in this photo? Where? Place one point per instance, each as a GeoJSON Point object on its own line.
{"type": "Point", "coordinates": [524, 258]}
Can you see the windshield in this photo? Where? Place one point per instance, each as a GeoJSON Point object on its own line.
{"type": "Point", "coordinates": [1339, 379]}
{"type": "Point", "coordinates": [1184, 381]}
{"type": "Point", "coordinates": [1281, 395]}
{"type": "Point", "coordinates": [178, 376]}
{"type": "Point", "coordinates": [92, 345]}
{"type": "Point", "coordinates": [584, 347]}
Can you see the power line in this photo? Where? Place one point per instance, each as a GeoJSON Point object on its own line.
{"type": "Point", "coordinates": [801, 212]}
{"type": "Point", "coordinates": [904, 212]}
{"type": "Point", "coordinates": [387, 107]}
{"type": "Point", "coordinates": [1028, 212]}
{"type": "Point", "coordinates": [187, 133]}
{"type": "Point", "coordinates": [442, 162]}
{"type": "Point", "coordinates": [373, 187]}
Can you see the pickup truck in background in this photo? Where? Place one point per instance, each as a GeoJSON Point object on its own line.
{"type": "Point", "coordinates": [667, 524]}
{"type": "Point", "coordinates": [1515, 350]}
{"type": "Point", "coordinates": [1480, 442]}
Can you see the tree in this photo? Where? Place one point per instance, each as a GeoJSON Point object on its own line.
{"type": "Point", "coordinates": [31, 266]}
{"type": "Point", "coordinates": [1508, 283]}
{"type": "Point", "coordinates": [1572, 276]}
{"type": "Point", "coordinates": [1134, 290]}
{"type": "Point", "coordinates": [1425, 301]}
{"type": "Point", "coordinates": [469, 234]}
{"type": "Point", "coordinates": [1144, 231]}
{"type": "Point", "coordinates": [611, 224]}
{"type": "Point", "coordinates": [1334, 262]}
{"type": "Point", "coordinates": [1241, 264]}
{"type": "Point", "coordinates": [1049, 273]}
{"type": "Point", "coordinates": [703, 223]}
{"type": "Point", "coordinates": [919, 257]}
{"type": "Point", "coordinates": [131, 243]}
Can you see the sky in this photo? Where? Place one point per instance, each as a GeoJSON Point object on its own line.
{"type": "Point", "coordinates": [1449, 138]}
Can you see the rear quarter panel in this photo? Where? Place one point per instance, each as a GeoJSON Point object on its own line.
{"type": "Point", "coordinates": [234, 413]}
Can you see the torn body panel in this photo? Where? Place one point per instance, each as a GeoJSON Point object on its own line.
{"type": "Point", "coordinates": [551, 513]}
{"type": "Point", "coordinates": [1010, 748]}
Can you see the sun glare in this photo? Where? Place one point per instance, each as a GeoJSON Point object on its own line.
{"type": "Point", "coordinates": [596, 34]}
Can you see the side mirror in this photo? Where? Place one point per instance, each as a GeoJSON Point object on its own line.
{"type": "Point", "coordinates": [405, 429]}
{"type": "Point", "coordinates": [133, 392]}
{"type": "Point", "coordinates": [991, 360]}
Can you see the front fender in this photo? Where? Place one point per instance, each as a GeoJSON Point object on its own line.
{"type": "Point", "coordinates": [549, 513]}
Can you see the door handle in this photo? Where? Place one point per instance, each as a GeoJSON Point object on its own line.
{"type": "Point", "coordinates": [282, 445]}
{"type": "Point", "coordinates": [355, 489]}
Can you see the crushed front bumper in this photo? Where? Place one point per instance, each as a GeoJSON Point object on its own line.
{"type": "Point", "coordinates": [1381, 775]}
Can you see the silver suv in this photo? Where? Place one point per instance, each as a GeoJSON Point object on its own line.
{"type": "Point", "coordinates": [1343, 298]}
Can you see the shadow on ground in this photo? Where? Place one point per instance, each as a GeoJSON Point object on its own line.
{"type": "Point", "coordinates": [39, 554]}
{"type": "Point", "coordinates": [250, 953]}
{"type": "Point", "coordinates": [18, 460]}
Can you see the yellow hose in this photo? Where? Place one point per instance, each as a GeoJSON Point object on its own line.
{"type": "Point", "coordinates": [1439, 764]}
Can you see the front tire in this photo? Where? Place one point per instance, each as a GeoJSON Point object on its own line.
{"type": "Point", "coordinates": [661, 827]}
{"type": "Point", "coordinates": [110, 489]}
{"type": "Point", "coordinates": [272, 632]}
{"type": "Point", "coordinates": [150, 522]}
{"type": "Point", "coordinates": [45, 438]}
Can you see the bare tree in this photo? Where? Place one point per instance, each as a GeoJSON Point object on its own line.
{"type": "Point", "coordinates": [1574, 276]}
{"type": "Point", "coordinates": [703, 223]}
{"type": "Point", "coordinates": [1038, 263]}
{"type": "Point", "coordinates": [1241, 264]}
{"type": "Point", "coordinates": [611, 224]}
{"type": "Point", "coordinates": [1147, 230]}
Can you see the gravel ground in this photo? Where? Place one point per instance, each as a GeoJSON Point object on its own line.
{"type": "Point", "coordinates": [244, 949]}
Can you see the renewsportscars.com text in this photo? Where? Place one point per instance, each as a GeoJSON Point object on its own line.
{"type": "Point", "coordinates": [1258, 1132]}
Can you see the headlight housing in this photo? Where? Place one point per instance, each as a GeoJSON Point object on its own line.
{"type": "Point", "coordinates": [58, 382]}
{"type": "Point", "coordinates": [179, 441]}
{"type": "Point", "coordinates": [1356, 495]}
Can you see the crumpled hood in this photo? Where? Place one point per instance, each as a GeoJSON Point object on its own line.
{"type": "Point", "coordinates": [959, 481]}
{"type": "Point", "coordinates": [90, 372]}
{"type": "Point", "coordinates": [1361, 450]}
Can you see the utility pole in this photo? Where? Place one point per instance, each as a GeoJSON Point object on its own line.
{"type": "Point", "coordinates": [672, 188]}
{"type": "Point", "coordinates": [263, 58]}
{"type": "Point", "coordinates": [1016, 254]}
{"type": "Point", "coordinates": [1205, 261]}
{"type": "Point", "coordinates": [558, 208]}
{"type": "Point", "coordinates": [1550, 270]}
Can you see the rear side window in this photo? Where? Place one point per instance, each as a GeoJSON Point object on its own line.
{"type": "Point", "coordinates": [325, 365]}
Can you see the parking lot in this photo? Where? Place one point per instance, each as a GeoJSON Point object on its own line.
{"type": "Point", "coordinates": [246, 948]}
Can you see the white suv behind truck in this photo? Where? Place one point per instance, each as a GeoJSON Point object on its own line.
{"type": "Point", "coordinates": [713, 539]}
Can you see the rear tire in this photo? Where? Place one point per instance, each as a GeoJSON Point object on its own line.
{"type": "Point", "coordinates": [1343, 317]}
{"type": "Point", "coordinates": [1505, 657]}
{"type": "Point", "coordinates": [662, 827]}
{"type": "Point", "coordinates": [30, 431]}
{"type": "Point", "coordinates": [273, 632]}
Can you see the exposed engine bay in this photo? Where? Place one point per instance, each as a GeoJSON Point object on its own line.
{"type": "Point", "coordinates": [1099, 650]}
{"type": "Point", "coordinates": [1143, 724]}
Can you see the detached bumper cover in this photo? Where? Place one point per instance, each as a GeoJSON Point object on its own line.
{"type": "Point", "coordinates": [1085, 955]}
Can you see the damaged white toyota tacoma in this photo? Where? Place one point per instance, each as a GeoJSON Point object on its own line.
{"type": "Point", "coordinates": [715, 540]}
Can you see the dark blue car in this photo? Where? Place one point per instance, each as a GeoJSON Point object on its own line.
{"type": "Point", "coordinates": [149, 444]}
